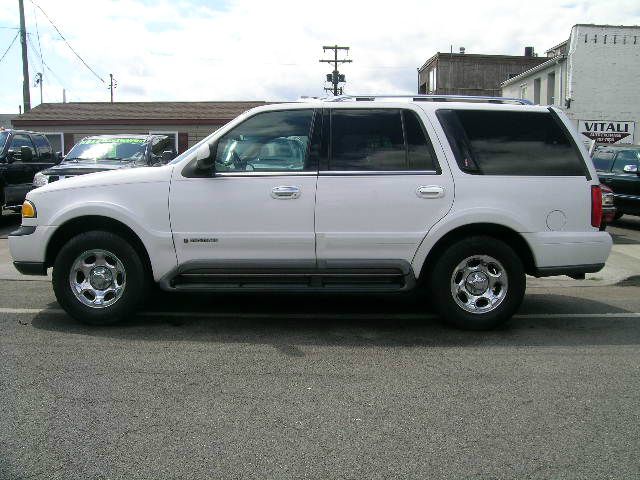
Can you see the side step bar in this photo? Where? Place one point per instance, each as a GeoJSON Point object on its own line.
{"type": "Point", "coordinates": [287, 276]}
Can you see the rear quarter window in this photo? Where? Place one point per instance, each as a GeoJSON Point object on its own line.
{"type": "Point", "coordinates": [511, 143]}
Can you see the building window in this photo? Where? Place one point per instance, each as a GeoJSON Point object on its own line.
{"type": "Point", "coordinates": [433, 75]}
{"type": "Point", "coordinates": [56, 140]}
{"type": "Point", "coordinates": [523, 91]}
{"type": "Point", "coordinates": [172, 135]}
{"type": "Point", "coordinates": [536, 91]}
{"type": "Point", "coordinates": [551, 88]}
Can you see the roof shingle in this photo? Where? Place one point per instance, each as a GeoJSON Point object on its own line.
{"type": "Point", "coordinates": [87, 111]}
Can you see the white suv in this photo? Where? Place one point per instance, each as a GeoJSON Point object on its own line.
{"type": "Point", "coordinates": [458, 198]}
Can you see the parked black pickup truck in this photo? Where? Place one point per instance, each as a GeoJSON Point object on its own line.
{"type": "Point", "coordinates": [22, 155]}
{"type": "Point", "coordinates": [619, 168]}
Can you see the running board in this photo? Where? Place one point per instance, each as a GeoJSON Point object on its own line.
{"type": "Point", "coordinates": [287, 276]}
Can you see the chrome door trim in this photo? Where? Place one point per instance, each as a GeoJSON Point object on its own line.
{"type": "Point", "coordinates": [341, 173]}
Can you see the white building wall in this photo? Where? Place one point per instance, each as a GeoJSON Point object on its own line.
{"type": "Point", "coordinates": [604, 71]}
{"type": "Point", "coordinates": [524, 88]}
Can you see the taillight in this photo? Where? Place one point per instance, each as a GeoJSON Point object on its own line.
{"type": "Point", "coordinates": [596, 206]}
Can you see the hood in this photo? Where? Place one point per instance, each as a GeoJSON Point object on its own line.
{"type": "Point", "coordinates": [105, 178]}
{"type": "Point", "coordinates": [73, 168]}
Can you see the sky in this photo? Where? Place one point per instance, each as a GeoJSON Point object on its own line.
{"type": "Point", "coordinates": [185, 50]}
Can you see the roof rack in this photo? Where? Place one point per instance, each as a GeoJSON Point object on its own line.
{"type": "Point", "coordinates": [428, 98]}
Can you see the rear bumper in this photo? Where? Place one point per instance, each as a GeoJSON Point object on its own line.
{"type": "Point", "coordinates": [569, 253]}
{"type": "Point", "coordinates": [576, 271]}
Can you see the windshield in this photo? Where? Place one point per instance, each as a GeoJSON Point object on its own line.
{"type": "Point", "coordinates": [107, 149]}
{"type": "Point", "coordinates": [3, 139]}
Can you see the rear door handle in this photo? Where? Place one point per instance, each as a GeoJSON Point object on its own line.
{"type": "Point", "coordinates": [430, 191]}
{"type": "Point", "coordinates": [285, 192]}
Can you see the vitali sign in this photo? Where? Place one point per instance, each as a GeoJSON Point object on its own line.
{"type": "Point", "coordinates": [606, 131]}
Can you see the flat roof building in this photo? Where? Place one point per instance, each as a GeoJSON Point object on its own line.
{"type": "Point", "coordinates": [472, 74]}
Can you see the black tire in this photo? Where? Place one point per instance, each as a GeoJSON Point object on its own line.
{"type": "Point", "coordinates": [136, 286]}
{"type": "Point", "coordinates": [443, 270]}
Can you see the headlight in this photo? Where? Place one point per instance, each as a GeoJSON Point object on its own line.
{"type": "Point", "coordinates": [40, 179]}
{"type": "Point", "coordinates": [29, 210]}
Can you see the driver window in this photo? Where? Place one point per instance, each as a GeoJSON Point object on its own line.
{"type": "Point", "coordinates": [267, 142]}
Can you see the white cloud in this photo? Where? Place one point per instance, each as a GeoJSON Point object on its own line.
{"type": "Point", "coordinates": [249, 49]}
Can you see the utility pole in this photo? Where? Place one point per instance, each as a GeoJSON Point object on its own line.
{"type": "Point", "coordinates": [335, 77]}
{"type": "Point", "coordinates": [113, 83]}
{"type": "Point", "coordinates": [39, 82]}
{"type": "Point", "coordinates": [26, 95]}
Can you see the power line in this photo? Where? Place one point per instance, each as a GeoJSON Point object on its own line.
{"type": "Point", "coordinates": [67, 43]}
{"type": "Point", "coordinates": [9, 47]}
{"type": "Point", "coordinates": [45, 63]}
{"type": "Point", "coordinates": [35, 17]}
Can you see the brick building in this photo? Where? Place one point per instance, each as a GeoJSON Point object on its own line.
{"type": "Point", "coordinates": [593, 77]}
{"type": "Point", "coordinates": [187, 122]}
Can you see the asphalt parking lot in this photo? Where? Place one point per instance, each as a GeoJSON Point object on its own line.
{"type": "Point", "coordinates": [280, 386]}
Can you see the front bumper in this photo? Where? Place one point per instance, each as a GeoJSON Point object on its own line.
{"type": "Point", "coordinates": [28, 246]}
{"type": "Point", "coordinates": [31, 268]}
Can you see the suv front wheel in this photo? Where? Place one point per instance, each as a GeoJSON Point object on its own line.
{"type": "Point", "coordinates": [478, 283]}
{"type": "Point", "coordinates": [98, 278]}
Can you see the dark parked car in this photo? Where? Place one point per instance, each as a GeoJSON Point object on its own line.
{"type": "Point", "coordinates": [619, 168]}
{"type": "Point", "coordinates": [22, 155]}
{"type": "Point", "coordinates": [109, 152]}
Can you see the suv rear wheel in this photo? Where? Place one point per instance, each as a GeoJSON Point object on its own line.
{"type": "Point", "coordinates": [98, 278]}
{"type": "Point", "coordinates": [478, 283]}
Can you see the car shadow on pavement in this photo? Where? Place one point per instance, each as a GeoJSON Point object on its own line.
{"type": "Point", "coordinates": [8, 223]}
{"type": "Point", "coordinates": [290, 326]}
{"type": "Point", "coordinates": [628, 221]}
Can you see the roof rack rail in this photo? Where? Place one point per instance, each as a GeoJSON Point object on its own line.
{"type": "Point", "coordinates": [429, 98]}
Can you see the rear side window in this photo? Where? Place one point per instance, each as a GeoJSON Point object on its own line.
{"type": "Point", "coordinates": [367, 140]}
{"type": "Point", "coordinates": [44, 148]}
{"type": "Point", "coordinates": [511, 143]}
{"type": "Point", "coordinates": [379, 140]}
{"type": "Point", "coordinates": [420, 154]}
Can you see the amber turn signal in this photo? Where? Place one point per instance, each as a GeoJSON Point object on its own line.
{"type": "Point", "coordinates": [28, 210]}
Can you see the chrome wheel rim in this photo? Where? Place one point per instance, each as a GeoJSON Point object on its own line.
{"type": "Point", "coordinates": [97, 278]}
{"type": "Point", "coordinates": [479, 284]}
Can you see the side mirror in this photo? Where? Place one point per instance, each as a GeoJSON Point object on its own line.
{"type": "Point", "coordinates": [57, 157]}
{"type": "Point", "coordinates": [26, 155]}
{"type": "Point", "coordinates": [204, 157]}
{"type": "Point", "coordinates": [166, 156]}
{"type": "Point", "coordinates": [630, 169]}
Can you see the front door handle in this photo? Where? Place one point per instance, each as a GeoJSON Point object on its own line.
{"type": "Point", "coordinates": [285, 192]}
{"type": "Point", "coordinates": [430, 191]}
